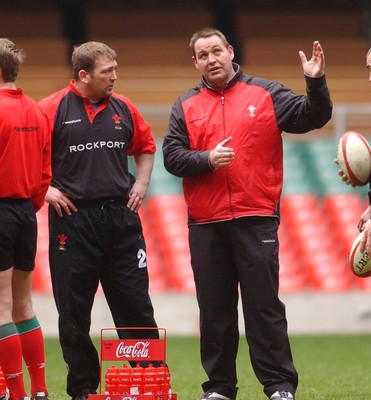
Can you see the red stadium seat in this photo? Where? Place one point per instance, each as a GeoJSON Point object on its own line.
{"type": "Point", "coordinates": [343, 212]}
{"type": "Point", "coordinates": [168, 213]}
{"type": "Point", "coordinates": [158, 280]}
{"type": "Point", "coordinates": [298, 202]}
{"type": "Point", "coordinates": [316, 244]}
{"type": "Point", "coordinates": [293, 278]}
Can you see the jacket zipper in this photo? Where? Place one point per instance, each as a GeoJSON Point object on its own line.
{"type": "Point", "coordinates": [227, 170]}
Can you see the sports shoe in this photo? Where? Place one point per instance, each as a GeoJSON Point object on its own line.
{"type": "Point", "coordinates": [40, 396]}
{"type": "Point", "coordinates": [84, 394]}
{"type": "Point", "coordinates": [281, 396]}
{"type": "Point", "coordinates": [214, 396]}
{"type": "Point", "coordinates": [6, 395]}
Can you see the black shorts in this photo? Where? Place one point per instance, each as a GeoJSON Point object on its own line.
{"type": "Point", "coordinates": [18, 234]}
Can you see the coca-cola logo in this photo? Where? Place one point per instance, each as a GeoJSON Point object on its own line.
{"type": "Point", "coordinates": [137, 350]}
{"type": "Point", "coordinates": [124, 398]}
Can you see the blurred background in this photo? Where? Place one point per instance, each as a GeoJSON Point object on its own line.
{"type": "Point", "coordinates": [319, 212]}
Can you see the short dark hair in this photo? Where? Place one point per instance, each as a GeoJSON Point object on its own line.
{"type": "Point", "coordinates": [85, 55]}
{"type": "Point", "coordinates": [10, 60]}
{"type": "Point", "coordinates": [205, 33]}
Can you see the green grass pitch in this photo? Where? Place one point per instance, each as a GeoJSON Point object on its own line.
{"type": "Point", "coordinates": [330, 368]}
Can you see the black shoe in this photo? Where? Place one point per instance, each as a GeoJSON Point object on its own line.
{"type": "Point", "coordinates": [214, 396]}
{"type": "Point", "coordinates": [282, 396]}
{"type": "Point", "coordinates": [83, 394]}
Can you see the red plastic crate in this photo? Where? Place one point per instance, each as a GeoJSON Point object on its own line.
{"type": "Point", "coordinates": [133, 350]}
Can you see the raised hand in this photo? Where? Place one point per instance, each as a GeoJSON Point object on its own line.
{"type": "Point", "coordinates": [315, 67]}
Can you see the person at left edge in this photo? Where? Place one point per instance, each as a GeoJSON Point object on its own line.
{"type": "Point", "coordinates": [94, 227]}
{"type": "Point", "coordinates": [25, 175]}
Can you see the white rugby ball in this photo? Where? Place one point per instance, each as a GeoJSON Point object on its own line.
{"type": "Point", "coordinates": [360, 263]}
{"type": "Point", "coordinates": [354, 158]}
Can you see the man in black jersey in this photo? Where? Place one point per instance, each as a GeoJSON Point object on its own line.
{"type": "Point", "coordinates": [95, 230]}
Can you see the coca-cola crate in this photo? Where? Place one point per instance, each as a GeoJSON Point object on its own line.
{"type": "Point", "coordinates": [132, 350]}
{"type": "Point", "coordinates": [171, 396]}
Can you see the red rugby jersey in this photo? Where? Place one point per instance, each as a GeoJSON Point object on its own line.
{"type": "Point", "coordinates": [25, 170]}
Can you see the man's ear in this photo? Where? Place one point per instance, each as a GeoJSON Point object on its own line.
{"type": "Point", "coordinates": [231, 51]}
{"type": "Point", "coordinates": [194, 59]}
{"type": "Point", "coordinates": [83, 76]}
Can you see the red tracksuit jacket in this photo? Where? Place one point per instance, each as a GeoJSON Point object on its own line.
{"type": "Point", "coordinates": [254, 111]}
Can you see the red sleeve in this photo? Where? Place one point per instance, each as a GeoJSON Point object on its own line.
{"type": "Point", "coordinates": [46, 175]}
{"type": "Point", "coordinates": [50, 105]}
{"type": "Point", "coordinates": [142, 140]}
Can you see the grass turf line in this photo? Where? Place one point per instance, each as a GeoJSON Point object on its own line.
{"type": "Point", "coordinates": [331, 367]}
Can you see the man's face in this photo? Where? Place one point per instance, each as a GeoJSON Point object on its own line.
{"type": "Point", "coordinates": [214, 60]}
{"type": "Point", "coordinates": [368, 65]}
{"type": "Point", "coordinates": [101, 79]}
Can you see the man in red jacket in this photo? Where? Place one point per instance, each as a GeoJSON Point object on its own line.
{"type": "Point", "coordinates": [224, 140]}
{"type": "Point", "coordinates": [25, 175]}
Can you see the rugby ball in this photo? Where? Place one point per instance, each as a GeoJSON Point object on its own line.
{"type": "Point", "coordinates": [360, 263]}
{"type": "Point", "coordinates": [354, 158]}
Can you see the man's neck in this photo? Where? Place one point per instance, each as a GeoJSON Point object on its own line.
{"type": "Point", "coordinates": [7, 85]}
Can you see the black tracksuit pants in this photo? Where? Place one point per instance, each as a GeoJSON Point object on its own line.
{"type": "Point", "coordinates": [228, 256]}
{"type": "Point", "coordinates": [102, 242]}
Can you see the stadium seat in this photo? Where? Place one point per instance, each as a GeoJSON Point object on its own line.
{"type": "Point", "coordinates": [293, 278]}
{"type": "Point", "coordinates": [158, 280]}
{"type": "Point", "coordinates": [330, 271]}
{"type": "Point", "coordinates": [315, 242]}
{"type": "Point", "coordinates": [343, 212]}
{"type": "Point", "coordinates": [296, 179]}
{"type": "Point", "coordinates": [290, 262]}
{"type": "Point", "coordinates": [168, 213]}
{"type": "Point", "coordinates": [298, 201]}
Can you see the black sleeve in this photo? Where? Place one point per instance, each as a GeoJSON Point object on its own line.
{"type": "Point", "coordinates": [299, 113]}
{"type": "Point", "coordinates": [179, 159]}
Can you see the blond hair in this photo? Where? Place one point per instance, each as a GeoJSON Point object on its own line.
{"type": "Point", "coordinates": [85, 55]}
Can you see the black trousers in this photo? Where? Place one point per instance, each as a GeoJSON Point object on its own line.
{"type": "Point", "coordinates": [100, 243]}
{"type": "Point", "coordinates": [228, 256]}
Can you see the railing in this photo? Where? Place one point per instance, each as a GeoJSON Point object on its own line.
{"type": "Point", "coordinates": [351, 116]}
{"type": "Point", "coordinates": [345, 117]}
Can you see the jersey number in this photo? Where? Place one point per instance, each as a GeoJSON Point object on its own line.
{"type": "Point", "coordinates": [142, 257]}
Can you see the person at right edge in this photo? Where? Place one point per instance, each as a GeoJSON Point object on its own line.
{"type": "Point", "coordinates": [224, 139]}
{"type": "Point", "coordinates": [364, 222]}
